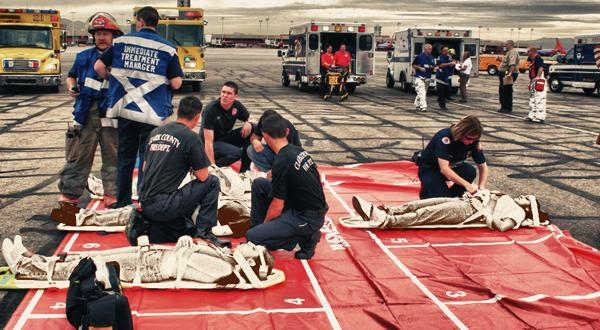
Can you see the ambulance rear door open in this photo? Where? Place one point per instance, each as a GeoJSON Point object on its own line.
{"type": "Point", "coordinates": [335, 39]}
{"type": "Point", "coordinates": [365, 59]}
{"type": "Point", "coordinates": [472, 46]}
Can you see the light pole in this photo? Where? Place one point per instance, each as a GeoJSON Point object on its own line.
{"type": "Point", "coordinates": [398, 26]}
{"type": "Point", "coordinates": [72, 27]}
{"type": "Point", "coordinates": [518, 36]}
{"type": "Point", "coordinates": [222, 30]}
{"type": "Point", "coordinates": [260, 26]}
{"type": "Point", "coordinates": [530, 34]}
{"type": "Point", "coordinates": [267, 20]}
{"type": "Point", "coordinates": [511, 33]}
{"type": "Point", "coordinates": [479, 31]}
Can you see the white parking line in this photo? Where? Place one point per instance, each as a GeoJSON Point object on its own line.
{"type": "Point", "coordinates": [539, 240]}
{"type": "Point", "coordinates": [319, 292]}
{"type": "Point", "coordinates": [459, 324]}
{"type": "Point", "coordinates": [222, 312]}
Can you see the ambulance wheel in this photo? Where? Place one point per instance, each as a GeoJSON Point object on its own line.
{"type": "Point", "coordinates": [404, 85]}
{"type": "Point", "coordinates": [389, 80]}
{"type": "Point", "coordinates": [522, 71]}
{"type": "Point", "coordinates": [555, 85]}
{"type": "Point", "coordinates": [285, 80]}
{"type": "Point", "coordinates": [196, 85]}
{"type": "Point", "coordinates": [350, 89]}
{"type": "Point", "coordinates": [589, 91]}
{"type": "Point", "coordinates": [492, 70]}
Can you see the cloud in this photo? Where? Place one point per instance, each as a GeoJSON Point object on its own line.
{"type": "Point", "coordinates": [548, 18]}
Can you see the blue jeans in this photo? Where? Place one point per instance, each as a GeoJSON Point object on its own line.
{"type": "Point", "coordinates": [284, 232]}
{"type": "Point", "coordinates": [133, 137]}
{"type": "Point", "coordinates": [230, 148]}
{"type": "Point", "coordinates": [433, 182]}
{"type": "Point", "coordinates": [170, 215]}
{"type": "Point", "coordinates": [263, 160]}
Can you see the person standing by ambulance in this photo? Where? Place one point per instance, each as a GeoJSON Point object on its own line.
{"type": "Point", "coordinates": [89, 127]}
{"type": "Point", "coordinates": [342, 58]}
{"type": "Point", "coordinates": [443, 77]}
{"type": "Point", "coordinates": [326, 63]}
{"type": "Point", "coordinates": [145, 71]}
{"type": "Point", "coordinates": [423, 66]}
{"type": "Point", "coordinates": [537, 87]}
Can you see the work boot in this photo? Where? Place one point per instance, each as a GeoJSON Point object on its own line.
{"type": "Point", "coordinates": [135, 226]}
{"type": "Point", "coordinates": [207, 235]}
{"type": "Point", "coordinates": [65, 214]}
{"type": "Point", "coordinates": [307, 246]}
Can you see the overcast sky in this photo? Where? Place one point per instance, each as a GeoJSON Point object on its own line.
{"type": "Point", "coordinates": [548, 18]}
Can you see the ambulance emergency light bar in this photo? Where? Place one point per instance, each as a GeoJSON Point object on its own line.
{"type": "Point", "coordinates": [337, 28]}
{"type": "Point", "coordinates": [29, 11]}
{"type": "Point", "coordinates": [442, 33]}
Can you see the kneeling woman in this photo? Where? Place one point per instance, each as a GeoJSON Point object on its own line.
{"type": "Point", "coordinates": [443, 171]}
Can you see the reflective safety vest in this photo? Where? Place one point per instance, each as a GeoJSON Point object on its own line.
{"type": "Point", "coordinates": [92, 88]}
{"type": "Point", "coordinates": [139, 89]}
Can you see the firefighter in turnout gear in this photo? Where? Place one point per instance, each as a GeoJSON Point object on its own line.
{"type": "Point", "coordinates": [537, 87]}
{"type": "Point", "coordinates": [144, 72]}
{"type": "Point", "coordinates": [90, 127]}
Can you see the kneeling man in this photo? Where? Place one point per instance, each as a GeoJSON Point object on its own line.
{"type": "Point", "coordinates": [173, 151]}
{"type": "Point", "coordinates": [291, 208]}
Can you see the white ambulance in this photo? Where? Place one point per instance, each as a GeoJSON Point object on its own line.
{"type": "Point", "coordinates": [301, 63]}
{"type": "Point", "coordinates": [409, 43]}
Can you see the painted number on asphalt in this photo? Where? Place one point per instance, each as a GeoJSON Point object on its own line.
{"type": "Point", "coordinates": [456, 294]}
{"type": "Point", "coordinates": [295, 301]}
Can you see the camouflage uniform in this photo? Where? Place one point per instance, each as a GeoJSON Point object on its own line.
{"type": "Point", "coordinates": [421, 87]}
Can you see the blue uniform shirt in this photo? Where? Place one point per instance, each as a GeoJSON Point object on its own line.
{"type": "Point", "coordinates": [444, 73]}
{"type": "Point", "coordinates": [92, 88]}
{"type": "Point", "coordinates": [425, 61]}
{"type": "Point", "coordinates": [443, 146]}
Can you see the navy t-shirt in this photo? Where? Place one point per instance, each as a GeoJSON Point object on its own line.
{"type": "Point", "coordinates": [297, 181]}
{"type": "Point", "coordinates": [292, 137]}
{"type": "Point", "coordinates": [220, 120]}
{"type": "Point", "coordinates": [425, 61]}
{"type": "Point", "coordinates": [536, 64]}
{"type": "Point", "coordinates": [444, 73]}
{"type": "Point", "coordinates": [443, 146]}
{"type": "Point", "coordinates": [172, 151]}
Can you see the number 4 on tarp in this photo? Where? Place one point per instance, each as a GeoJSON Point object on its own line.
{"type": "Point", "coordinates": [295, 301]}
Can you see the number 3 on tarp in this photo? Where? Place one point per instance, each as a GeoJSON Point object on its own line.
{"type": "Point", "coordinates": [456, 294]}
{"type": "Point", "coordinates": [295, 301]}
{"type": "Point", "coordinates": [399, 240]}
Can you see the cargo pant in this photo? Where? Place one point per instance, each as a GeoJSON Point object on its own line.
{"type": "Point", "coordinates": [427, 212]}
{"type": "Point", "coordinates": [80, 151]}
{"type": "Point", "coordinates": [421, 86]}
{"type": "Point", "coordinates": [537, 102]}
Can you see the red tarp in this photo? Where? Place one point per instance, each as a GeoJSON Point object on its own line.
{"type": "Point", "coordinates": [442, 279]}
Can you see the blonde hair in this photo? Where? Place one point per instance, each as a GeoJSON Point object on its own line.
{"type": "Point", "coordinates": [468, 126]}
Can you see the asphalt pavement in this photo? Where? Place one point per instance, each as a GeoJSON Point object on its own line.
{"type": "Point", "coordinates": [556, 161]}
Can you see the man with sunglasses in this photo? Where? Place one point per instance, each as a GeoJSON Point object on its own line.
{"type": "Point", "coordinates": [443, 171]}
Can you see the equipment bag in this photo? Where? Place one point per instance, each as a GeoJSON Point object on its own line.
{"type": "Point", "coordinates": [90, 304]}
{"type": "Point", "coordinates": [539, 85]}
